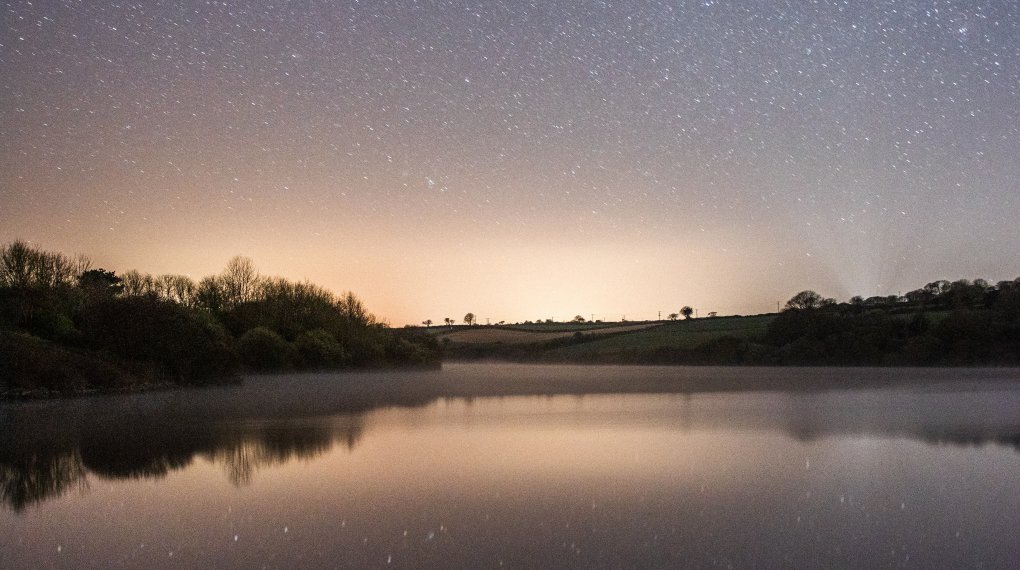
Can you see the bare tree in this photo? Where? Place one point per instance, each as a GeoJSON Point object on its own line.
{"type": "Point", "coordinates": [210, 294]}
{"type": "Point", "coordinates": [138, 284]}
{"type": "Point", "coordinates": [240, 280]}
{"type": "Point", "coordinates": [178, 289]}
{"type": "Point", "coordinates": [22, 265]}
{"type": "Point", "coordinates": [355, 310]}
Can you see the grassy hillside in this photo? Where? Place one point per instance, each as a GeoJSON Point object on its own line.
{"type": "Point", "coordinates": [833, 335]}
{"type": "Point", "coordinates": [604, 342]}
{"type": "Point", "coordinates": [686, 334]}
{"type": "Point", "coordinates": [516, 335]}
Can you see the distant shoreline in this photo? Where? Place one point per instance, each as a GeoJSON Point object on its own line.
{"type": "Point", "coordinates": [371, 388]}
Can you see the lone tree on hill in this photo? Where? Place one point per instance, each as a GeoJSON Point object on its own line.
{"type": "Point", "coordinates": [804, 300]}
{"type": "Point", "coordinates": [674, 316]}
{"type": "Point", "coordinates": [686, 312]}
{"type": "Point", "coordinates": [427, 323]}
{"type": "Point", "coordinates": [469, 318]}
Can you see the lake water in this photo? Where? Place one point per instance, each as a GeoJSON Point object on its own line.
{"type": "Point", "coordinates": [279, 473]}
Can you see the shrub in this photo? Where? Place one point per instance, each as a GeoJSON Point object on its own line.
{"type": "Point", "coordinates": [318, 349]}
{"type": "Point", "coordinates": [31, 363]}
{"type": "Point", "coordinates": [178, 344]}
{"type": "Point", "coordinates": [263, 349]}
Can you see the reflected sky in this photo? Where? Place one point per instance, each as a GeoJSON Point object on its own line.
{"type": "Point", "coordinates": [875, 478]}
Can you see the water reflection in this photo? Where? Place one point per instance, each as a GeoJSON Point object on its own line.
{"type": "Point", "coordinates": [50, 448]}
{"type": "Point", "coordinates": [35, 477]}
{"type": "Point", "coordinates": [49, 462]}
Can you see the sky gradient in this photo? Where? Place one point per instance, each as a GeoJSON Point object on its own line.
{"type": "Point", "coordinates": [521, 160]}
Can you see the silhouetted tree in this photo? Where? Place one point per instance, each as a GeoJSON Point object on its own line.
{"type": "Point", "coordinates": [965, 294]}
{"type": "Point", "coordinates": [16, 264]}
{"type": "Point", "coordinates": [469, 319]}
{"type": "Point", "coordinates": [354, 310]}
{"type": "Point", "coordinates": [22, 265]}
{"type": "Point", "coordinates": [100, 284]}
{"type": "Point", "coordinates": [178, 289]}
{"type": "Point", "coordinates": [427, 323]}
{"type": "Point", "coordinates": [210, 294]}
{"type": "Point", "coordinates": [936, 289]}
{"type": "Point", "coordinates": [674, 316]}
{"type": "Point", "coordinates": [918, 297]}
{"type": "Point", "coordinates": [239, 280]}
{"type": "Point", "coordinates": [804, 300]}
{"type": "Point", "coordinates": [577, 319]}
{"type": "Point", "coordinates": [686, 312]}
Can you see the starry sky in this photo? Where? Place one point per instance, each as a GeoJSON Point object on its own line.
{"type": "Point", "coordinates": [521, 160]}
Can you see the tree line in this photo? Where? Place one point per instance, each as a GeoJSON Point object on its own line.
{"type": "Point", "coordinates": [66, 326]}
{"type": "Point", "coordinates": [961, 322]}
{"type": "Point", "coordinates": [958, 323]}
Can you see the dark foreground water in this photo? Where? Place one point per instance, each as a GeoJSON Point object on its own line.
{"type": "Point", "coordinates": [278, 473]}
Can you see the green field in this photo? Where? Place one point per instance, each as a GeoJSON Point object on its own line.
{"type": "Point", "coordinates": [566, 327]}
{"type": "Point", "coordinates": [569, 342]}
{"type": "Point", "coordinates": [843, 335]}
{"type": "Point", "coordinates": [675, 334]}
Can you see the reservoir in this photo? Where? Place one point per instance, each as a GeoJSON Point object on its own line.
{"type": "Point", "coordinates": [478, 466]}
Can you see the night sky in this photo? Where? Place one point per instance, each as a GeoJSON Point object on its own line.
{"type": "Point", "coordinates": [521, 160]}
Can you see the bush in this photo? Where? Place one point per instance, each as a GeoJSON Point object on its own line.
{"type": "Point", "coordinates": [179, 345]}
{"type": "Point", "coordinates": [41, 312]}
{"type": "Point", "coordinates": [31, 363]}
{"type": "Point", "coordinates": [414, 350]}
{"type": "Point", "coordinates": [318, 349]}
{"type": "Point", "coordinates": [264, 350]}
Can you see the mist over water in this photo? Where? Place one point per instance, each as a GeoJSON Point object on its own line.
{"type": "Point", "coordinates": [379, 470]}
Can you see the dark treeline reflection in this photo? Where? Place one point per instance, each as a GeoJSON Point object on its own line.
{"type": "Point", "coordinates": [47, 452]}
{"type": "Point", "coordinates": [55, 461]}
{"type": "Point", "coordinates": [52, 447]}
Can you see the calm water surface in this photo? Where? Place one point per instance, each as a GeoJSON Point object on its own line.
{"type": "Point", "coordinates": [926, 476]}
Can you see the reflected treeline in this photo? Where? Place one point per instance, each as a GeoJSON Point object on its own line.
{"type": "Point", "coordinates": [46, 451]}
{"type": "Point", "coordinates": [970, 417]}
{"type": "Point", "coordinates": [969, 440]}
{"type": "Point", "coordinates": [34, 477]}
{"type": "Point", "coordinates": [31, 473]}
{"type": "Point", "coordinates": [1009, 437]}
{"type": "Point", "coordinates": [48, 448]}
{"type": "Point", "coordinates": [279, 444]}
